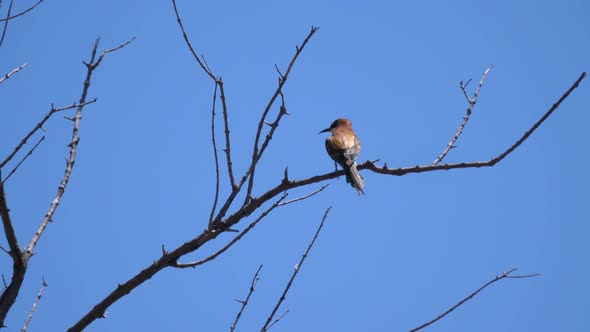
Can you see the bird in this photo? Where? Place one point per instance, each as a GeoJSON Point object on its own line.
{"type": "Point", "coordinates": [344, 147]}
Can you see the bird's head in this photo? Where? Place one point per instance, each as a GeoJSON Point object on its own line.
{"type": "Point", "coordinates": [342, 122]}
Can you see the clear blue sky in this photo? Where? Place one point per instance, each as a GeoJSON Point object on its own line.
{"type": "Point", "coordinates": [388, 261]}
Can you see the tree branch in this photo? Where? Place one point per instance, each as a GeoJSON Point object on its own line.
{"type": "Point", "coordinates": [30, 316]}
{"type": "Point", "coordinates": [471, 102]}
{"type": "Point", "coordinates": [266, 326]}
{"type": "Point", "coordinates": [22, 13]}
{"type": "Point", "coordinates": [256, 151]}
{"type": "Point", "coordinates": [14, 71]}
{"type": "Point", "coordinates": [40, 126]}
{"type": "Point", "coordinates": [245, 302]}
{"type": "Point", "coordinates": [6, 23]}
{"type": "Point", "coordinates": [23, 160]}
{"type": "Point", "coordinates": [21, 259]}
{"type": "Point", "coordinates": [216, 197]}
{"type": "Point", "coordinates": [470, 296]}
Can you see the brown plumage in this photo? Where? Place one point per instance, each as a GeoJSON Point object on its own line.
{"type": "Point", "coordinates": [343, 146]}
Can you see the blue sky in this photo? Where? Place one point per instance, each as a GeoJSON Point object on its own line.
{"type": "Point", "coordinates": [390, 260]}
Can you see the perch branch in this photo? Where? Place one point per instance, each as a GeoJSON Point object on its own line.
{"type": "Point", "coordinates": [470, 296]}
{"type": "Point", "coordinates": [471, 102]}
{"type": "Point", "coordinates": [295, 271]}
{"type": "Point", "coordinates": [245, 302]}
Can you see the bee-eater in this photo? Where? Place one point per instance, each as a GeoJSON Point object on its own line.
{"type": "Point", "coordinates": [343, 146]}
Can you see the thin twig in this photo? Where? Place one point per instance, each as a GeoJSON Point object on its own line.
{"type": "Point", "coordinates": [23, 160]}
{"type": "Point", "coordinates": [40, 126]}
{"type": "Point", "coordinates": [471, 102]}
{"type": "Point", "coordinates": [219, 82]}
{"type": "Point", "coordinates": [227, 149]}
{"type": "Point", "coordinates": [6, 23]}
{"type": "Point", "coordinates": [295, 271]}
{"type": "Point", "coordinates": [304, 196]}
{"type": "Point", "coordinates": [235, 239]}
{"type": "Point", "coordinates": [190, 46]}
{"type": "Point", "coordinates": [30, 316]}
{"type": "Point", "coordinates": [245, 302]}
{"type": "Point", "coordinates": [216, 197]}
{"type": "Point", "coordinates": [470, 296]}
{"type": "Point", "coordinates": [14, 71]}
{"type": "Point", "coordinates": [23, 12]}
{"type": "Point", "coordinates": [277, 320]}
{"type": "Point", "coordinates": [256, 150]}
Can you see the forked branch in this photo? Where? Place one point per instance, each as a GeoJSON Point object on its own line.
{"type": "Point", "coordinates": [21, 258]}
{"type": "Point", "coordinates": [467, 115]}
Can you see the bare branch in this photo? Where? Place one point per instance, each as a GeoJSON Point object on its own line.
{"type": "Point", "coordinates": [22, 13]}
{"type": "Point", "coordinates": [23, 160]}
{"type": "Point", "coordinates": [190, 46]}
{"type": "Point", "coordinates": [419, 169]}
{"type": "Point", "coordinates": [6, 23]}
{"type": "Point", "coordinates": [14, 71]}
{"type": "Point", "coordinates": [219, 82]}
{"type": "Point", "coordinates": [258, 151]}
{"type": "Point", "coordinates": [227, 149]}
{"type": "Point", "coordinates": [21, 259]}
{"type": "Point", "coordinates": [295, 271]}
{"type": "Point", "coordinates": [235, 239]}
{"type": "Point", "coordinates": [470, 296]}
{"type": "Point", "coordinates": [40, 126]}
{"type": "Point", "coordinates": [30, 316]}
{"type": "Point", "coordinates": [471, 102]}
{"type": "Point", "coordinates": [277, 320]}
{"type": "Point", "coordinates": [245, 302]}
{"type": "Point", "coordinates": [304, 197]}
{"type": "Point", "coordinates": [216, 197]}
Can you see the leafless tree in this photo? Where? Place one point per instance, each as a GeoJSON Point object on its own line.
{"type": "Point", "coordinates": [227, 212]}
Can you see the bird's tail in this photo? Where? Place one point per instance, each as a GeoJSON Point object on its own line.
{"type": "Point", "coordinates": [355, 179]}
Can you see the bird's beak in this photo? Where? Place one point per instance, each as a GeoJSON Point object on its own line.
{"type": "Point", "coordinates": [325, 130]}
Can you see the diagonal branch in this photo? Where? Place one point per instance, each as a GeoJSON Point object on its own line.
{"type": "Point", "coordinates": [370, 165]}
{"type": "Point", "coordinates": [235, 239]}
{"type": "Point", "coordinates": [22, 13]}
{"type": "Point", "coordinates": [6, 23]}
{"type": "Point", "coordinates": [471, 102]}
{"type": "Point", "coordinates": [245, 302]}
{"type": "Point", "coordinates": [505, 275]}
{"type": "Point", "coordinates": [40, 126]}
{"type": "Point", "coordinates": [35, 304]}
{"type": "Point", "coordinates": [23, 160]}
{"type": "Point", "coordinates": [266, 326]}
{"type": "Point", "coordinates": [14, 71]}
